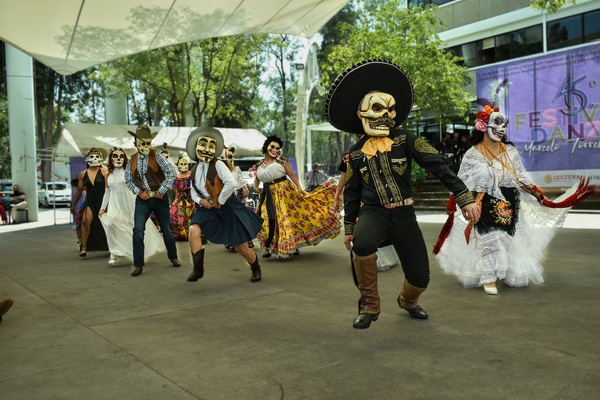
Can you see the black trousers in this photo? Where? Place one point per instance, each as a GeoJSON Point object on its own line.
{"type": "Point", "coordinates": [377, 224]}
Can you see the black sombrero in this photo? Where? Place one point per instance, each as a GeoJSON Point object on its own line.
{"type": "Point", "coordinates": [351, 86]}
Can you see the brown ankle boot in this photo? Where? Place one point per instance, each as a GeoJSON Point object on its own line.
{"type": "Point", "coordinates": [409, 300]}
{"type": "Point", "coordinates": [256, 274]}
{"type": "Point", "coordinates": [365, 269]}
{"type": "Point", "coordinates": [198, 258]}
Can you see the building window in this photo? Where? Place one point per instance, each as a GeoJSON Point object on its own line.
{"type": "Point", "coordinates": [519, 43]}
{"type": "Point", "coordinates": [424, 3]}
{"type": "Point", "coordinates": [565, 32]}
{"type": "Point", "coordinates": [591, 26]}
{"type": "Point", "coordinates": [471, 52]}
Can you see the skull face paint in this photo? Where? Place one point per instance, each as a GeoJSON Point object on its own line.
{"type": "Point", "coordinates": [377, 112]}
{"type": "Point", "coordinates": [94, 160]}
{"type": "Point", "coordinates": [183, 165]}
{"type": "Point", "coordinates": [206, 147]}
{"type": "Point", "coordinates": [118, 158]}
{"type": "Point", "coordinates": [273, 149]}
{"type": "Point", "coordinates": [143, 146]}
{"type": "Point", "coordinates": [497, 126]}
{"type": "Point", "coordinates": [229, 154]}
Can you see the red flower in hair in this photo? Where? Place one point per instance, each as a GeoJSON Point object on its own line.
{"type": "Point", "coordinates": [485, 114]}
{"type": "Point", "coordinates": [483, 117]}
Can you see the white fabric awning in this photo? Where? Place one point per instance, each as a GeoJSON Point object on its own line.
{"type": "Point", "coordinates": [72, 35]}
{"type": "Point", "coordinates": [76, 139]}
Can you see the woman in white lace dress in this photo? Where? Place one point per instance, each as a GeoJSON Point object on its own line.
{"type": "Point", "coordinates": [117, 210]}
{"type": "Point", "coordinates": [507, 242]}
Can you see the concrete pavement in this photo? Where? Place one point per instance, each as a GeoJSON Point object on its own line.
{"type": "Point", "coordinates": [82, 329]}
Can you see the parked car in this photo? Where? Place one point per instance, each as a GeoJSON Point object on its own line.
{"type": "Point", "coordinates": [54, 193]}
{"type": "Point", "coordinates": [245, 164]}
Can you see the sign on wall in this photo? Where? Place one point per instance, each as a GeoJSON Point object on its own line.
{"type": "Point", "coordinates": [553, 106]}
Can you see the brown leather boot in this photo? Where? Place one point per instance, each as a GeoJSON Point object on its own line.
{"type": "Point", "coordinates": [365, 269]}
{"type": "Point", "coordinates": [409, 300]}
{"type": "Point", "coordinates": [198, 258]}
{"type": "Point", "coordinates": [256, 274]}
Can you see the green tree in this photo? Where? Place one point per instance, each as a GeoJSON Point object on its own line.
{"type": "Point", "coordinates": [551, 6]}
{"type": "Point", "coordinates": [56, 97]}
{"type": "Point", "coordinates": [328, 148]}
{"type": "Point", "coordinates": [407, 37]}
{"type": "Point", "coordinates": [211, 81]}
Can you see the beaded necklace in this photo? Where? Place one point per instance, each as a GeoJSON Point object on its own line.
{"type": "Point", "coordinates": [504, 160]}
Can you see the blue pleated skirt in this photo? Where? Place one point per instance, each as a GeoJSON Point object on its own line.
{"type": "Point", "coordinates": [232, 224]}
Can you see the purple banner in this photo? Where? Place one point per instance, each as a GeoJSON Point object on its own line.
{"type": "Point", "coordinates": [553, 105]}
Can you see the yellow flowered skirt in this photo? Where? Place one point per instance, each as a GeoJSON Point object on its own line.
{"type": "Point", "coordinates": [300, 221]}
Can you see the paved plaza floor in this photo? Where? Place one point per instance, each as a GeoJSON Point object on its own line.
{"type": "Point", "coordinates": [81, 329]}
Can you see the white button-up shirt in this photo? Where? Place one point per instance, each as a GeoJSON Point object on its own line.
{"type": "Point", "coordinates": [200, 182]}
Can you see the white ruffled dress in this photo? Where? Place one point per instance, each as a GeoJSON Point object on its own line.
{"type": "Point", "coordinates": [497, 255]}
{"type": "Point", "coordinates": [118, 221]}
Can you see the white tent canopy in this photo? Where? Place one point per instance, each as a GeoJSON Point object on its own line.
{"type": "Point", "coordinates": [72, 35]}
{"type": "Point", "coordinates": [76, 139]}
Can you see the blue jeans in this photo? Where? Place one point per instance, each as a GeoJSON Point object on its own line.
{"type": "Point", "coordinates": [143, 209]}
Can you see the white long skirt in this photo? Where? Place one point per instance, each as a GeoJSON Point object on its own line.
{"type": "Point", "coordinates": [497, 255]}
{"type": "Point", "coordinates": [118, 225]}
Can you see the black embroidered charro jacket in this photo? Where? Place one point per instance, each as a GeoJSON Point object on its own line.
{"type": "Point", "coordinates": [386, 177]}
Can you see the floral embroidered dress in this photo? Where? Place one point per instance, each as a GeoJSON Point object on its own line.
{"type": "Point", "coordinates": [290, 220]}
{"type": "Point", "coordinates": [182, 208]}
{"type": "Point", "coordinates": [514, 229]}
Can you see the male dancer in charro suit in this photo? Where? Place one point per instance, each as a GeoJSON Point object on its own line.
{"type": "Point", "coordinates": [378, 195]}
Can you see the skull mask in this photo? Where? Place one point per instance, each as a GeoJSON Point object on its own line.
{"type": "Point", "coordinates": [497, 125]}
{"type": "Point", "coordinates": [206, 147]}
{"type": "Point", "coordinates": [93, 159]}
{"type": "Point", "coordinates": [229, 154]}
{"type": "Point", "coordinates": [143, 146]}
{"type": "Point", "coordinates": [183, 165]}
{"type": "Point", "coordinates": [274, 149]}
{"type": "Point", "coordinates": [118, 158]}
{"type": "Point", "coordinates": [377, 112]}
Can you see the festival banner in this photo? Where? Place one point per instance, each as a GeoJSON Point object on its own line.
{"type": "Point", "coordinates": [553, 106]}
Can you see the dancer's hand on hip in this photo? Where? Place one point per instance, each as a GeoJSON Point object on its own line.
{"type": "Point", "coordinates": [348, 239]}
{"type": "Point", "coordinates": [472, 213]}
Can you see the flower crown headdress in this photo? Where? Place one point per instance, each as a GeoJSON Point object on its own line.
{"type": "Point", "coordinates": [484, 116]}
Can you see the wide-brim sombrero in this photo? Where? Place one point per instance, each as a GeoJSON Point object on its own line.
{"type": "Point", "coordinates": [143, 132]}
{"type": "Point", "coordinates": [103, 152]}
{"type": "Point", "coordinates": [192, 140]}
{"type": "Point", "coordinates": [367, 76]}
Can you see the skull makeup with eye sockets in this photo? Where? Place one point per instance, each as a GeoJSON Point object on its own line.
{"type": "Point", "coordinates": [229, 155]}
{"type": "Point", "coordinates": [118, 158]}
{"type": "Point", "coordinates": [497, 126]}
{"type": "Point", "coordinates": [93, 158]}
{"type": "Point", "coordinates": [274, 149]}
{"type": "Point", "coordinates": [377, 112]}
{"type": "Point", "coordinates": [143, 146]}
{"type": "Point", "coordinates": [183, 164]}
{"type": "Point", "coordinates": [206, 148]}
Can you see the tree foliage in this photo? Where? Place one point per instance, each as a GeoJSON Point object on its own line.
{"type": "Point", "coordinates": [551, 6]}
{"type": "Point", "coordinates": [211, 82]}
{"type": "Point", "coordinates": [407, 37]}
{"type": "Point", "coordinates": [56, 98]}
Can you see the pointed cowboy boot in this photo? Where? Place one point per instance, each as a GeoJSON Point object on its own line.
{"type": "Point", "coordinates": [198, 258]}
{"type": "Point", "coordinates": [409, 300]}
{"type": "Point", "coordinates": [256, 274]}
{"type": "Point", "coordinates": [365, 269]}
